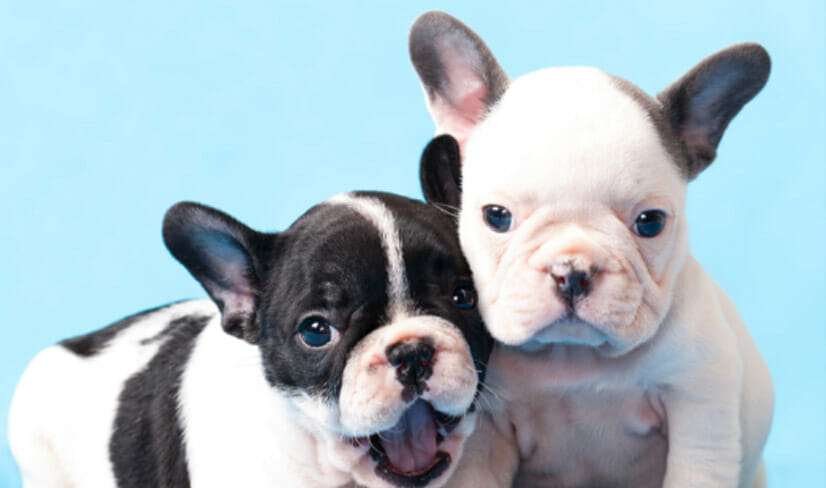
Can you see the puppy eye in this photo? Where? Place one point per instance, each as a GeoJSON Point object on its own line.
{"type": "Point", "coordinates": [317, 332]}
{"type": "Point", "coordinates": [464, 296]}
{"type": "Point", "coordinates": [650, 223]}
{"type": "Point", "coordinates": [497, 217]}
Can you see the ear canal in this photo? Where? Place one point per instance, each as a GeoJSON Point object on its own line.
{"type": "Point", "coordinates": [220, 253]}
{"type": "Point", "coordinates": [460, 76]}
{"type": "Point", "coordinates": [700, 105]}
{"type": "Point", "coordinates": [440, 172]}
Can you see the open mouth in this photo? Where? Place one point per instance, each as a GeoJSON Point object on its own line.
{"type": "Point", "coordinates": [408, 453]}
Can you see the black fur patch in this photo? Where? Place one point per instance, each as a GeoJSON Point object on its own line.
{"type": "Point", "coordinates": [146, 448]}
{"type": "Point", "coordinates": [331, 265]}
{"type": "Point", "coordinates": [88, 345]}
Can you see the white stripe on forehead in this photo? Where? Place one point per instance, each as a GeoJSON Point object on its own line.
{"type": "Point", "coordinates": [379, 215]}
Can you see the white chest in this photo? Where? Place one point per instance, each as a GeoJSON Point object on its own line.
{"type": "Point", "coordinates": [579, 421]}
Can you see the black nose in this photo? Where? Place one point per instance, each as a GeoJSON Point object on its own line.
{"type": "Point", "coordinates": [573, 285]}
{"type": "Point", "coordinates": [413, 360]}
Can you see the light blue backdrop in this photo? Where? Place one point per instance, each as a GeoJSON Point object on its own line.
{"type": "Point", "coordinates": [110, 112]}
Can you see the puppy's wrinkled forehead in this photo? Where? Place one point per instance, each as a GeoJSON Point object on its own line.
{"type": "Point", "coordinates": [571, 129]}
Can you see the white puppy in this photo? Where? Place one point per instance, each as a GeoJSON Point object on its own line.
{"type": "Point", "coordinates": [620, 361]}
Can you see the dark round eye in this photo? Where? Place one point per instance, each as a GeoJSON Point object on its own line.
{"type": "Point", "coordinates": [497, 217]}
{"type": "Point", "coordinates": [464, 296]}
{"type": "Point", "coordinates": [317, 332]}
{"type": "Point", "coordinates": [650, 223]}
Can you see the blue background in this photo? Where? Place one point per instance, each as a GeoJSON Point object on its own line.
{"type": "Point", "coordinates": [110, 112]}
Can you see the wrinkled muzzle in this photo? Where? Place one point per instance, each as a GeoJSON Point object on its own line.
{"type": "Point", "coordinates": [406, 394]}
{"type": "Point", "coordinates": [575, 288]}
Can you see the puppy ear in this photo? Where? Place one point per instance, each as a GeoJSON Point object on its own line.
{"type": "Point", "coordinates": [440, 172]}
{"type": "Point", "coordinates": [460, 76]}
{"type": "Point", "coordinates": [700, 105]}
{"type": "Point", "coordinates": [222, 254]}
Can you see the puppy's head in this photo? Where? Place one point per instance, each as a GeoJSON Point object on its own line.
{"type": "Point", "coordinates": [572, 183]}
{"type": "Point", "coordinates": [365, 317]}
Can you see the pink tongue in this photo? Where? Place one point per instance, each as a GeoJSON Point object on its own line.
{"type": "Point", "coordinates": [410, 445]}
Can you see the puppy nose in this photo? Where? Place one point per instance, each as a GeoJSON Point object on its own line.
{"type": "Point", "coordinates": [573, 285]}
{"type": "Point", "coordinates": [413, 360]}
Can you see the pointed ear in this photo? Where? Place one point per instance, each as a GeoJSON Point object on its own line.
{"type": "Point", "coordinates": [700, 105]}
{"type": "Point", "coordinates": [440, 172]}
{"type": "Point", "coordinates": [460, 76]}
{"type": "Point", "coordinates": [223, 255]}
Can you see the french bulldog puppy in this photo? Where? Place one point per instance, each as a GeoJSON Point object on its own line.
{"type": "Point", "coordinates": [619, 362]}
{"type": "Point", "coordinates": [344, 351]}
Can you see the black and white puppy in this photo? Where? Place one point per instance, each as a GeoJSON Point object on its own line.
{"type": "Point", "coordinates": [344, 351]}
{"type": "Point", "coordinates": [620, 361]}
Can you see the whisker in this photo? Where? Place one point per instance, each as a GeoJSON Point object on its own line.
{"type": "Point", "coordinates": [489, 398]}
{"type": "Point", "coordinates": [448, 209]}
{"type": "Point", "coordinates": [492, 391]}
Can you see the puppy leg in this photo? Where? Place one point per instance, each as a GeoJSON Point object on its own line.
{"type": "Point", "coordinates": [489, 460]}
{"type": "Point", "coordinates": [757, 404]}
{"type": "Point", "coordinates": [703, 411]}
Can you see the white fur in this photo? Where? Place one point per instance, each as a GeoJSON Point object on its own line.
{"type": "Point", "coordinates": [64, 407]}
{"type": "Point", "coordinates": [550, 188]}
{"type": "Point", "coordinates": [231, 416]}
{"type": "Point", "coordinates": [660, 348]}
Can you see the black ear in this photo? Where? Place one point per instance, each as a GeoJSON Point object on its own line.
{"type": "Point", "coordinates": [440, 172]}
{"type": "Point", "coordinates": [223, 255]}
{"type": "Point", "coordinates": [701, 104]}
{"type": "Point", "coordinates": [460, 76]}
